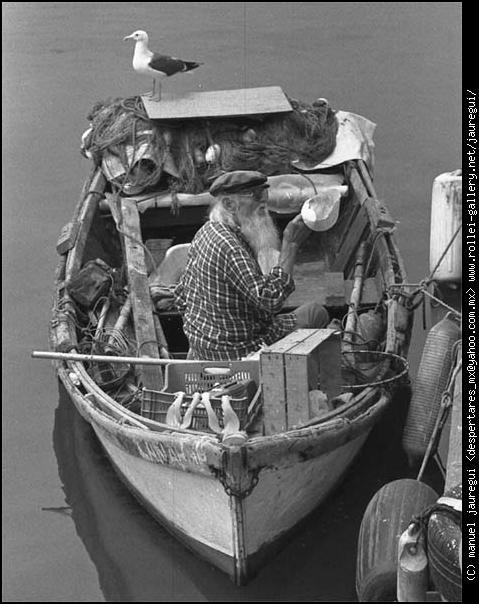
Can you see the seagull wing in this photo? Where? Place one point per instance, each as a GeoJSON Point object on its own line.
{"type": "Point", "coordinates": [170, 65]}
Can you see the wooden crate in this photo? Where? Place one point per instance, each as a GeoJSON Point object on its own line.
{"type": "Point", "coordinates": [305, 360]}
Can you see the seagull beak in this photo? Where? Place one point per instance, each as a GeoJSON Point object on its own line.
{"type": "Point", "coordinates": [128, 37]}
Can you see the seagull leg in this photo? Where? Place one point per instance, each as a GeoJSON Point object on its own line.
{"type": "Point", "coordinates": [150, 94]}
{"type": "Point", "coordinates": [157, 97]}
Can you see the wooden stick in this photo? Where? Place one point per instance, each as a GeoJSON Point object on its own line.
{"type": "Point", "coordinates": [348, 339]}
{"type": "Point", "coordinates": [99, 358]}
{"type": "Point", "coordinates": [102, 318]}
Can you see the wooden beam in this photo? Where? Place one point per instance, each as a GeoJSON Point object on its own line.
{"type": "Point", "coordinates": [85, 219]}
{"type": "Point", "coordinates": [378, 213]}
{"type": "Point", "coordinates": [151, 377]}
{"type": "Point", "coordinates": [347, 248]}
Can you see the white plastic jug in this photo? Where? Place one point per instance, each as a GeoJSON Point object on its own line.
{"type": "Point", "coordinates": [446, 216]}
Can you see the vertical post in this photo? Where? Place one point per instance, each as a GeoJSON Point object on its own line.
{"type": "Point", "coordinates": [141, 304]}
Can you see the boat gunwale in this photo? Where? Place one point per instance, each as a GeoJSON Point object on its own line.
{"type": "Point", "coordinates": [261, 452]}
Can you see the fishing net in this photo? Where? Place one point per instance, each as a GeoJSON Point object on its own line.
{"type": "Point", "coordinates": [185, 156]}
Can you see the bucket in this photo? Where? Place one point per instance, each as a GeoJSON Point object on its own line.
{"type": "Point", "coordinates": [321, 211]}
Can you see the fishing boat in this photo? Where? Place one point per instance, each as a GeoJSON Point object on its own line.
{"type": "Point", "coordinates": [229, 456]}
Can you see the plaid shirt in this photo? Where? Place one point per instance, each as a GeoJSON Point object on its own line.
{"type": "Point", "coordinates": [229, 307]}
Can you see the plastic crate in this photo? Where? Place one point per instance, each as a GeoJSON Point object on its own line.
{"type": "Point", "coordinates": [202, 377]}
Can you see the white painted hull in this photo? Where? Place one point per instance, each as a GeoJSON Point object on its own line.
{"type": "Point", "coordinates": [198, 509]}
{"type": "Point", "coordinates": [183, 489]}
{"type": "Point", "coordinates": [284, 496]}
{"type": "Point", "coordinates": [192, 504]}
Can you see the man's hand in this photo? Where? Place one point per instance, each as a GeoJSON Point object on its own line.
{"type": "Point", "coordinates": [296, 232]}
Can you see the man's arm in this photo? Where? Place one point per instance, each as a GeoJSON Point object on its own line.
{"type": "Point", "coordinates": [295, 234]}
{"type": "Point", "coordinates": [265, 292]}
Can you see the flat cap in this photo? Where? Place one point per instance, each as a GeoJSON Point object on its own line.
{"type": "Point", "coordinates": [237, 182]}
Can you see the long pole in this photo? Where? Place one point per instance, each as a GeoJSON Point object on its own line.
{"type": "Point", "coordinates": [99, 358]}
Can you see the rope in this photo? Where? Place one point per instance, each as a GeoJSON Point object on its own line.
{"type": "Point", "coordinates": [421, 520]}
{"type": "Point", "coordinates": [429, 279]}
{"type": "Point", "coordinates": [446, 404]}
{"type": "Point", "coordinates": [421, 291]}
{"type": "Point", "coordinates": [449, 308]}
{"type": "Point", "coordinates": [379, 233]}
{"type": "Point", "coordinates": [424, 284]}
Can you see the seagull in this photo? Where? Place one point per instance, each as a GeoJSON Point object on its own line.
{"type": "Point", "coordinates": [155, 65]}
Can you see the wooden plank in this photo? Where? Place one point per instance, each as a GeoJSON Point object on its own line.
{"type": "Point", "coordinates": [358, 185]}
{"type": "Point", "coordinates": [273, 381]}
{"type": "Point", "coordinates": [296, 368]}
{"type": "Point", "coordinates": [348, 246]}
{"type": "Point", "coordinates": [378, 214]}
{"type": "Point", "coordinates": [218, 103]}
{"type": "Point", "coordinates": [370, 294]}
{"type": "Point", "coordinates": [366, 194]}
{"type": "Point", "coordinates": [67, 237]}
{"type": "Point", "coordinates": [304, 372]}
{"type": "Point", "coordinates": [85, 219]}
{"type": "Point", "coordinates": [274, 392]}
{"type": "Point", "coordinates": [140, 294]}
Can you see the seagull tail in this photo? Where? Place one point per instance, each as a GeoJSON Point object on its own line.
{"type": "Point", "coordinates": [189, 65]}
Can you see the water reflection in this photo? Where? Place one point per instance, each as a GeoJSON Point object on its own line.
{"type": "Point", "coordinates": [138, 561]}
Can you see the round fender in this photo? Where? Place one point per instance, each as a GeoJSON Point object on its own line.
{"type": "Point", "coordinates": [431, 381]}
{"type": "Point", "coordinates": [387, 516]}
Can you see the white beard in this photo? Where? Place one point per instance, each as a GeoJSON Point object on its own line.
{"type": "Point", "coordinates": [261, 234]}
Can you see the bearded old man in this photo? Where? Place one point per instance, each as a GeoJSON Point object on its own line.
{"type": "Point", "coordinates": [229, 307]}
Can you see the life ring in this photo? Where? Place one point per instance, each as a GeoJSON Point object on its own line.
{"type": "Point", "coordinates": [444, 536]}
{"type": "Point", "coordinates": [387, 516]}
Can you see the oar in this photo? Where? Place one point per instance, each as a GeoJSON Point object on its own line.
{"type": "Point", "coordinates": [103, 358]}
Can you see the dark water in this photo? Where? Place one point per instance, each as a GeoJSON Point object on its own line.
{"type": "Point", "coordinates": [70, 530]}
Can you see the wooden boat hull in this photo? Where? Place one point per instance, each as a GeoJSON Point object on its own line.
{"type": "Point", "coordinates": [233, 518]}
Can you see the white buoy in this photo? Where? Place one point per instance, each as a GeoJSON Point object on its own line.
{"type": "Point", "coordinates": [446, 217]}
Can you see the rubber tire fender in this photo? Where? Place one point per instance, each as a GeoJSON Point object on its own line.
{"type": "Point", "coordinates": [387, 516]}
